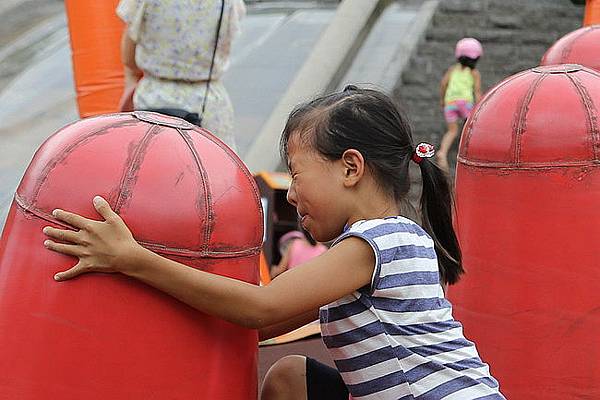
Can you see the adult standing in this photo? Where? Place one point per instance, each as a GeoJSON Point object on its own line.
{"type": "Point", "coordinates": [178, 50]}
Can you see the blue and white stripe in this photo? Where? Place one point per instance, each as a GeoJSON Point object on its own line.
{"type": "Point", "coordinates": [397, 339]}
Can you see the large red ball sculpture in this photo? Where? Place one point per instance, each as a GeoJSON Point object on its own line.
{"type": "Point", "coordinates": [184, 195]}
{"type": "Point", "coordinates": [581, 46]}
{"type": "Point", "coordinates": [528, 220]}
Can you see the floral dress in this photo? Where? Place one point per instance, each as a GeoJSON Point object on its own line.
{"type": "Point", "coordinates": [175, 41]}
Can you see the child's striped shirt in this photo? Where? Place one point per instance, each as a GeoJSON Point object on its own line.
{"type": "Point", "coordinates": [396, 339]}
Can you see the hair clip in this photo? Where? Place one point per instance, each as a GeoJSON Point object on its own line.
{"type": "Point", "coordinates": [423, 150]}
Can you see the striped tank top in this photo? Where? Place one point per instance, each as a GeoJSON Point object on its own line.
{"type": "Point", "coordinates": [396, 338]}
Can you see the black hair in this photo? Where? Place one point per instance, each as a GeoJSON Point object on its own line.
{"type": "Point", "coordinates": [369, 121]}
{"type": "Point", "coordinates": [307, 235]}
{"type": "Point", "coordinates": [468, 61]}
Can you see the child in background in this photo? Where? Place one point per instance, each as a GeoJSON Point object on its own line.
{"type": "Point", "coordinates": [377, 290]}
{"type": "Point", "coordinates": [296, 247]}
{"type": "Point", "coordinates": [459, 90]}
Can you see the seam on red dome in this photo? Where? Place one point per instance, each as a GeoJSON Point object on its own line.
{"type": "Point", "coordinates": [234, 157]}
{"type": "Point", "coordinates": [132, 167]}
{"type": "Point", "coordinates": [207, 200]}
{"type": "Point", "coordinates": [180, 252]}
{"type": "Point", "coordinates": [156, 247]}
{"type": "Point", "coordinates": [58, 158]}
{"type": "Point", "coordinates": [255, 190]}
{"type": "Point", "coordinates": [591, 114]}
{"type": "Point", "coordinates": [529, 165]}
{"type": "Point", "coordinates": [520, 121]}
{"type": "Point", "coordinates": [479, 108]}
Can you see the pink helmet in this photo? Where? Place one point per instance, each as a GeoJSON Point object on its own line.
{"type": "Point", "coordinates": [468, 47]}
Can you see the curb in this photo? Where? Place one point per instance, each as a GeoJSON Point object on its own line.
{"type": "Point", "coordinates": [407, 46]}
{"type": "Point", "coordinates": [316, 75]}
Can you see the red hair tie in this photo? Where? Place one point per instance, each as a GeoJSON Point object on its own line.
{"type": "Point", "coordinates": [423, 150]}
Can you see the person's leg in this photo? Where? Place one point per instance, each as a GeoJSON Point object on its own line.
{"type": "Point", "coordinates": [286, 379]}
{"type": "Point", "coordinates": [447, 141]}
{"type": "Point", "coordinates": [459, 110]}
{"type": "Point", "coordinates": [301, 378]}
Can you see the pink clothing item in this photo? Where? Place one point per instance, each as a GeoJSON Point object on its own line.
{"type": "Point", "coordinates": [300, 251]}
{"type": "Point", "coordinates": [468, 47]}
{"type": "Point", "coordinates": [458, 109]}
{"type": "Point", "coordinates": [289, 236]}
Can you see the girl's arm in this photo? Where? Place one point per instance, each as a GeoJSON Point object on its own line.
{"type": "Point", "coordinates": [108, 246]}
{"type": "Point", "coordinates": [132, 72]}
{"type": "Point", "coordinates": [476, 85]}
{"type": "Point", "coordinates": [287, 326]}
{"type": "Point", "coordinates": [444, 86]}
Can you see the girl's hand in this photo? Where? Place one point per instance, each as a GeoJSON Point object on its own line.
{"type": "Point", "coordinates": [101, 246]}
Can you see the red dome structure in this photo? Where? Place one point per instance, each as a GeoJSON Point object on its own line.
{"type": "Point", "coordinates": [581, 46]}
{"type": "Point", "coordinates": [185, 195]}
{"type": "Point", "coordinates": [527, 216]}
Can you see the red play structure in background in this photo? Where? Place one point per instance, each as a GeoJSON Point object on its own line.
{"type": "Point", "coordinates": [581, 46]}
{"type": "Point", "coordinates": [527, 195]}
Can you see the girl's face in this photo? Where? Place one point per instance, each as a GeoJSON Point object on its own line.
{"type": "Point", "coordinates": [316, 191]}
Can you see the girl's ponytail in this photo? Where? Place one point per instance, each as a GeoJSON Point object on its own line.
{"type": "Point", "coordinates": [436, 210]}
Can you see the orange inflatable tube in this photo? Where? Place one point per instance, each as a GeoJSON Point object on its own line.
{"type": "Point", "coordinates": [265, 275]}
{"type": "Point", "coordinates": [592, 13]}
{"type": "Point", "coordinates": [95, 31]}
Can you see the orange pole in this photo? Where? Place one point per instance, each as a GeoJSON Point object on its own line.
{"type": "Point", "coordinates": [592, 13]}
{"type": "Point", "coordinates": [95, 32]}
{"type": "Point", "coordinates": [265, 275]}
